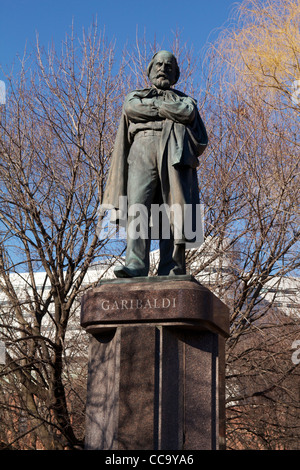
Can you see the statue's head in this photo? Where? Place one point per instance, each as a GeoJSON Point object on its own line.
{"type": "Point", "coordinates": [163, 70]}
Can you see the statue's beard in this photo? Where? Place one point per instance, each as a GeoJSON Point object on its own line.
{"type": "Point", "coordinates": [161, 82]}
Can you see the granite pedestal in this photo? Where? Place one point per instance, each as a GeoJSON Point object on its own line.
{"type": "Point", "coordinates": [156, 365]}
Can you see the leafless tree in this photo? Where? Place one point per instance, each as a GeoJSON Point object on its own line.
{"type": "Point", "coordinates": [57, 133]}
{"type": "Point", "coordinates": [249, 183]}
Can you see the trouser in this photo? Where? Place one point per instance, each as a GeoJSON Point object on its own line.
{"type": "Point", "coordinates": [144, 186]}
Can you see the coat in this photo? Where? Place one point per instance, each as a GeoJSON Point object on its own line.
{"type": "Point", "coordinates": [183, 143]}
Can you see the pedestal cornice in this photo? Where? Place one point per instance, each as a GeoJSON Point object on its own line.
{"type": "Point", "coordinates": [162, 301]}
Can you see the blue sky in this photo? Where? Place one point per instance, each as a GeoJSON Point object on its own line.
{"type": "Point", "coordinates": [20, 20]}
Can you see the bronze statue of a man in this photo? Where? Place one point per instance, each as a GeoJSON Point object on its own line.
{"type": "Point", "coordinates": [159, 139]}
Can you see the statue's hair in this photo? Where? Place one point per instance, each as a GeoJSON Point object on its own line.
{"type": "Point", "coordinates": [177, 70]}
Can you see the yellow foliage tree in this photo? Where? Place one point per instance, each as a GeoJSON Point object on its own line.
{"type": "Point", "coordinates": [262, 49]}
